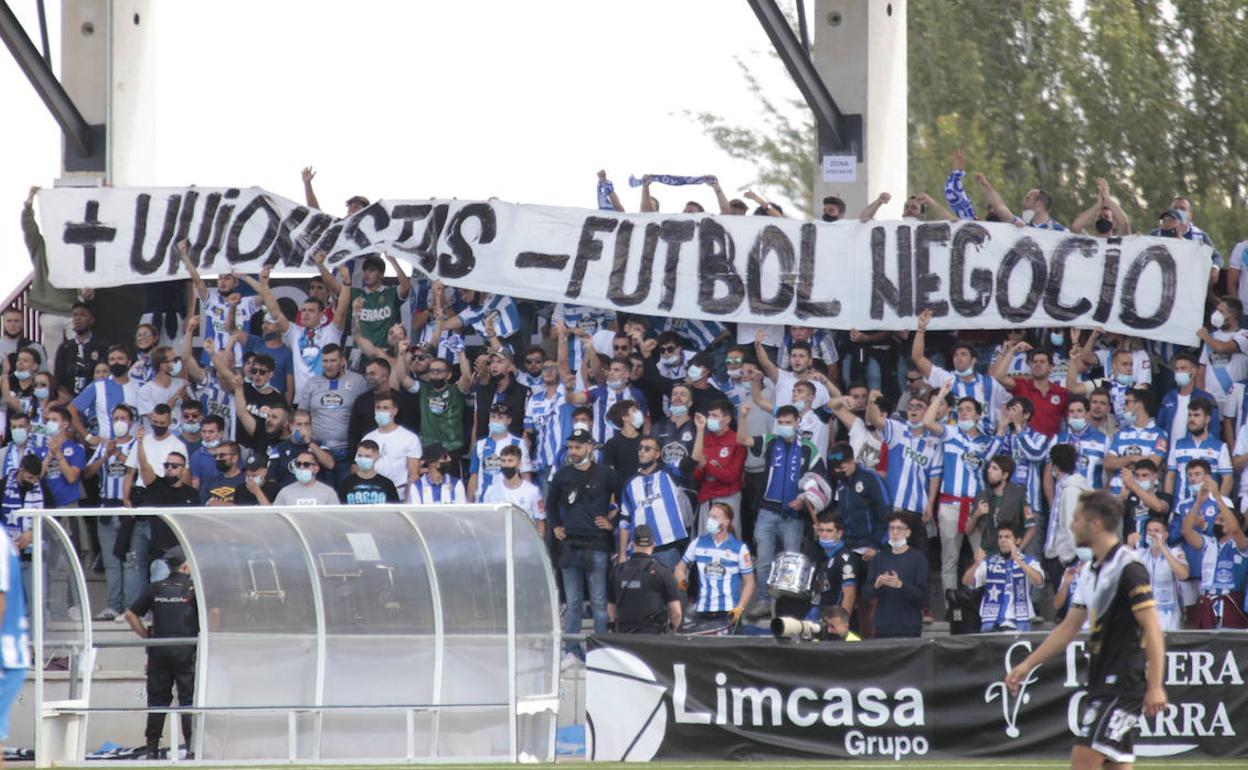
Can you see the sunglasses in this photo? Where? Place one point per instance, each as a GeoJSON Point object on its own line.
{"type": "Point", "coordinates": [421, 356]}
{"type": "Point", "coordinates": [669, 348]}
{"type": "Point", "coordinates": [261, 372]}
{"type": "Point", "coordinates": [174, 466]}
{"type": "Point", "coordinates": [305, 465]}
{"type": "Point", "coordinates": [734, 360]}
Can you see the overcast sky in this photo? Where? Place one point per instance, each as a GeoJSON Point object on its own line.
{"type": "Point", "coordinates": [523, 100]}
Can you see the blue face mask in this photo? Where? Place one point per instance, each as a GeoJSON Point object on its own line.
{"type": "Point", "coordinates": [383, 418]}
{"type": "Point", "coordinates": [496, 427]}
{"type": "Point", "coordinates": [1083, 553]}
{"type": "Point", "coordinates": [712, 526]}
{"type": "Point", "coordinates": [364, 463]}
{"type": "Point", "coordinates": [679, 410]}
{"type": "Point", "coordinates": [966, 426]}
{"type": "Point", "coordinates": [696, 372]}
{"type": "Point", "coordinates": [1126, 380]}
{"type": "Point", "coordinates": [1077, 424]}
{"type": "Point", "coordinates": [786, 432]}
{"type": "Point", "coordinates": [42, 393]}
{"type": "Point", "coordinates": [1128, 419]}
{"type": "Point", "coordinates": [298, 438]}
{"type": "Point", "coordinates": [1145, 484]}
{"type": "Point", "coordinates": [800, 405]}
{"type": "Point", "coordinates": [713, 424]}
{"type": "Point", "coordinates": [303, 475]}
{"type": "Point", "coordinates": [23, 374]}
{"type": "Point", "coordinates": [1182, 379]}
{"type": "Point", "coordinates": [828, 545]}
{"type": "Point", "coordinates": [913, 425]}
{"type": "Point", "coordinates": [638, 419]}
{"type": "Point", "coordinates": [20, 435]}
{"type": "Point", "coordinates": [1056, 339]}
{"type": "Point", "coordinates": [965, 372]}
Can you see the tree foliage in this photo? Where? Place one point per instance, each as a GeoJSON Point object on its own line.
{"type": "Point", "coordinates": [1150, 94]}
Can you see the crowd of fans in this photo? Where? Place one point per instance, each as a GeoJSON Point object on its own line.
{"type": "Point", "coordinates": [878, 453]}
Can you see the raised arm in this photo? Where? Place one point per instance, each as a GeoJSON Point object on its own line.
{"type": "Point", "coordinates": [764, 361]}
{"type": "Point", "coordinates": [611, 196]}
{"type": "Point", "coordinates": [997, 370]}
{"type": "Point", "coordinates": [327, 275]}
{"type": "Point", "coordinates": [1086, 218]}
{"type": "Point", "coordinates": [929, 417]}
{"type": "Point", "coordinates": [720, 198]}
{"type": "Point", "coordinates": [266, 296]}
{"type": "Point", "coordinates": [245, 417]}
{"type": "Point", "coordinates": [875, 419]}
{"type": "Point", "coordinates": [1122, 222]}
{"type": "Point", "coordinates": [344, 300]}
{"type": "Point", "coordinates": [918, 348]}
{"type": "Point", "coordinates": [935, 207]}
{"type": "Point", "coordinates": [405, 281]}
{"type": "Point", "coordinates": [184, 255]}
{"type": "Point", "coordinates": [868, 213]}
{"type": "Point", "coordinates": [995, 201]}
{"type": "Point", "coordinates": [647, 203]}
{"type": "Point", "coordinates": [771, 210]}
{"type": "Point", "coordinates": [309, 196]}
{"type": "Point", "coordinates": [193, 369]}
{"type": "Point", "coordinates": [698, 455]}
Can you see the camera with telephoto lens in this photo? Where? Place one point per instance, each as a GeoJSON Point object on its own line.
{"type": "Point", "coordinates": [790, 628]}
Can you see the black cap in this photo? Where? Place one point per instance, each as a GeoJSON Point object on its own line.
{"type": "Point", "coordinates": [581, 437]}
{"type": "Point", "coordinates": [505, 353]}
{"type": "Point", "coordinates": [501, 408]}
{"type": "Point", "coordinates": [643, 536]}
{"type": "Point", "coordinates": [840, 452]}
{"type": "Point", "coordinates": [256, 462]}
{"type": "Point", "coordinates": [174, 557]}
{"type": "Point", "coordinates": [431, 453]}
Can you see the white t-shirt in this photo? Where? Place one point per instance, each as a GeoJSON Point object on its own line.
{"type": "Point", "coordinates": [396, 447]}
{"type": "Point", "coordinates": [527, 497]}
{"type": "Point", "coordinates": [784, 390]}
{"type": "Point", "coordinates": [868, 447]}
{"type": "Point", "coordinates": [157, 450]}
{"type": "Point", "coordinates": [153, 393]}
{"type": "Point", "coordinates": [1178, 426]}
{"type": "Point", "coordinates": [306, 348]}
{"type": "Point", "coordinates": [1223, 370]}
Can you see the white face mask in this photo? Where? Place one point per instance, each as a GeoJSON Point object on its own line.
{"type": "Point", "coordinates": [1083, 552]}
{"type": "Point", "coordinates": [896, 543]}
{"type": "Point", "coordinates": [734, 373]}
{"type": "Point", "coordinates": [1029, 216]}
{"type": "Point", "coordinates": [1217, 319]}
{"type": "Point", "coordinates": [580, 426]}
{"type": "Point", "coordinates": [713, 526]}
{"type": "Point", "coordinates": [121, 428]}
{"type": "Point", "coordinates": [638, 419]}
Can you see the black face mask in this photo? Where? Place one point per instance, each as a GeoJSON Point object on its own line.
{"type": "Point", "coordinates": [1104, 226]}
{"type": "Point", "coordinates": [831, 218]}
{"type": "Point", "coordinates": [1218, 531]}
{"type": "Point", "coordinates": [1169, 233]}
{"type": "Point", "coordinates": [223, 465]}
{"type": "Point", "coordinates": [508, 473]}
{"type": "Point", "coordinates": [160, 430]}
{"type": "Point", "coordinates": [118, 370]}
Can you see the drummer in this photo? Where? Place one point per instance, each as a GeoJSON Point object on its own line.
{"type": "Point", "coordinates": [835, 569]}
{"type": "Point", "coordinates": [725, 570]}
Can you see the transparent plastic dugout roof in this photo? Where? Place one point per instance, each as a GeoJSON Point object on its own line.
{"type": "Point", "coordinates": [372, 633]}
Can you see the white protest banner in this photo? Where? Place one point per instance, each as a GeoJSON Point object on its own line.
{"type": "Point", "coordinates": [875, 275]}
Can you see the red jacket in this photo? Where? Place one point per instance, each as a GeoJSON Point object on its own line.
{"type": "Point", "coordinates": [1050, 406]}
{"type": "Point", "coordinates": [725, 460]}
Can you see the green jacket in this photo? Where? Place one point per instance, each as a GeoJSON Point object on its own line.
{"type": "Point", "coordinates": [44, 297]}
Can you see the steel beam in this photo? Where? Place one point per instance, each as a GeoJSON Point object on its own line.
{"type": "Point", "coordinates": [77, 132]}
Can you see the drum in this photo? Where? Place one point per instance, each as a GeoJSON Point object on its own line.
{"type": "Point", "coordinates": [791, 575]}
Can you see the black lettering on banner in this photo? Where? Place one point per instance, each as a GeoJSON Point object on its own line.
{"type": "Point", "coordinates": [1057, 273]}
{"type": "Point", "coordinates": [310, 236]}
{"type": "Point", "coordinates": [189, 199]}
{"type": "Point", "coordinates": [675, 233]}
{"type": "Point", "coordinates": [409, 214]}
{"type": "Point", "coordinates": [619, 267]}
{"type": "Point", "coordinates": [771, 240]}
{"type": "Point", "coordinates": [219, 227]}
{"type": "Point", "coordinates": [899, 296]}
{"type": "Point", "coordinates": [460, 261]}
{"type": "Point", "coordinates": [716, 253]}
{"type": "Point", "coordinates": [427, 249]}
{"type": "Point", "coordinates": [1109, 281]}
{"type": "Point", "coordinates": [537, 259]}
{"type": "Point", "coordinates": [87, 233]}
{"type": "Point", "coordinates": [1129, 314]}
{"type": "Point", "coordinates": [806, 280]}
{"type": "Point", "coordinates": [587, 250]}
{"type": "Point", "coordinates": [284, 249]}
{"type": "Point", "coordinates": [375, 214]}
{"type": "Point", "coordinates": [259, 205]}
{"type": "Point", "coordinates": [143, 265]}
{"type": "Point", "coordinates": [1024, 250]}
{"type": "Point", "coordinates": [981, 278]}
{"type": "Point", "coordinates": [197, 244]}
{"type": "Point", "coordinates": [925, 281]}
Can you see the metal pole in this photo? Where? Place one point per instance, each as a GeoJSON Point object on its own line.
{"type": "Point", "coordinates": [36, 610]}
{"type": "Point", "coordinates": [40, 75]}
{"type": "Point", "coordinates": [318, 600]}
{"type": "Point", "coordinates": [43, 31]}
{"type": "Point", "coordinates": [801, 25]}
{"type": "Point", "coordinates": [510, 540]}
{"type": "Point", "coordinates": [439, 633]}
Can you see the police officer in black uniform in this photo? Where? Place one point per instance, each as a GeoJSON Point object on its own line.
{"type": "Point", "coordinates": [644, 598]}
{"type": "Point", "coordinates": [174, 615]}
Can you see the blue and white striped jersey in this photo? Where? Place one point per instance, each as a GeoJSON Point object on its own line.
{"type": "Point", "coordinates": [912, 462]}
{"type": "Point", "coordinates": [700, 334]}
{"type": "Point", "coordinates": [96, 403]}
{"type": "Point", "coordinates": [1137, 442]}
{"type": "Point", "coordinates": [980, 387]}
{"type": "Point", "coordinates": [582, 317]}
{"type": "Point", "coordinates": [13, 454]}
{"type": "Point", "coordinates": [216, 313]}
{"type": "Point", "coordinates": [1030, 450]}
{"type": "Point", "coordinates": [502, 309]}
{"type": "Point", "coordinates": [542, 416]}
{"type": "Point", "coordinates": [1187, 449]}
{"type": "Point", "coordinates": [216, 399]}
{"type": "Point", "coordinates": [15, 626]}
{"type": "Point", "coordinates": [1090, 446]}
{"type": "Point", "coordinates": [486, 461]}
{"type": "Point", "coordinates": [656, 500]}
{"type": "Point", "coordinates": [422, 491]}
{"type": "Point", "coordinates": [965, 460]}
{"type": "Point", "coordinates": [720, 569]}
{"type": "Point", "coordinates": [113, 472]}
{"type": "Point", "coordinates": [602, 398]}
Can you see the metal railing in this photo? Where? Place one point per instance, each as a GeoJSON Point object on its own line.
{"type": "Point", "coordinates": [19, 298]}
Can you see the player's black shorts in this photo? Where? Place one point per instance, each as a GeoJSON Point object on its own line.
{"type": "Point", "coordinates": [1108, 725]}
